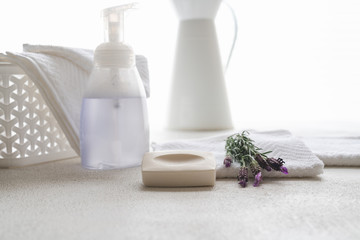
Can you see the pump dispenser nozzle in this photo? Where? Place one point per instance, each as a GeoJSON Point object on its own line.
{"type": "Point", "coordinates": [114, 52]}
{"type": "Point", "coordinates": [114, 22]}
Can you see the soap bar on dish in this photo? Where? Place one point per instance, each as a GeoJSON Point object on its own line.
{"type": "Point", "coordinates": [178, 169]}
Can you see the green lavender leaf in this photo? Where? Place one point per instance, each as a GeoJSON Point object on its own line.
{"type": "Point", "coordinates": [242, 149]}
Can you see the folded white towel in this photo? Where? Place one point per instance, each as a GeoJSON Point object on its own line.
{"type": "Point", "coordinates": [299, 160]}
{"type": "Point", "coordinates": [61, 74]}
{"type": "Point", "coordinates": [336, 151]}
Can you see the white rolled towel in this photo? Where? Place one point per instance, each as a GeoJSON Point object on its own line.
{"type": "Point", "coordinates": [299, 159]}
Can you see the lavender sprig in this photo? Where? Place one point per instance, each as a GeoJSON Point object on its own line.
{"type": "Point", "coordinates": [243, 176]}
{"type": "Point", "coordinates": [240, 148]}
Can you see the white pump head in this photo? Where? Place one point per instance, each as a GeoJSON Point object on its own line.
{"type": "Point", "coordinates": [114, 22]}
{"type": "Point", "coordinates": [114, 52]}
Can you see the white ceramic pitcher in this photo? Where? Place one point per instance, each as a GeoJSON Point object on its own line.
{"type": "Point", "coordinates": [198, 99]}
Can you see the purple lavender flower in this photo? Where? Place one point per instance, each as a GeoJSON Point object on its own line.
{"type": "Point", "coordinates": [256, 171]}
{"type": "Point", "coordinates": [263, 164]}
{"type": "Point", "coordinates": [227, 161]}
{"type": "Point", "coordinates": [242, 183]}
{"type": "Point", "coordinates": [284, 170]}
{"type": "Point", "coordinates": [255, 168]}
{"type": "Point", "coordinates": [243, 176]}
{"type": "Point", "coordinates": [258, 179]}
{"type": "Point", "coordinates": [277, 164]}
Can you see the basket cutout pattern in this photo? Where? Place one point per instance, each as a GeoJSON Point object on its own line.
{"type": "Point", "coordinates": [27, 126]}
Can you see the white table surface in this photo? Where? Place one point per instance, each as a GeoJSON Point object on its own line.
{"type": "Point", "coordinates": [60, 200]}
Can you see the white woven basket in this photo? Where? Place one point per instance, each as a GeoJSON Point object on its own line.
{"type": "Point", "coordinates": [29, 133]}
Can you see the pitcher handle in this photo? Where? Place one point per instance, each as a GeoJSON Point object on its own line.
{"type": "Point", "coordinates": [235, 34]}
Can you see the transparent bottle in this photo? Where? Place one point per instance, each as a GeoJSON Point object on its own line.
{"type": "Point", "coordinates": [114, 130]}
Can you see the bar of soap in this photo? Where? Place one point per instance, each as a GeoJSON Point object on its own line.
{"type": "Point", "coordinates": [178, 169]}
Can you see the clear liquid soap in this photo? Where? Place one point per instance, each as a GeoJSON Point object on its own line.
{"type": "Point", "coordinates": [114, 131]}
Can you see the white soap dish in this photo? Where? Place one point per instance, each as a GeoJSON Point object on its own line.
{"type": "Point", "coordinates": [178, 169]}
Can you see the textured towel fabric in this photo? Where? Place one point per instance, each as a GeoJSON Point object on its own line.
{"type": "Point", "coordinates": [299, 160]}
{"type": "Point", "coordinates": [336, 151]}
{"type": "Point", "coordinates": [61, 74]}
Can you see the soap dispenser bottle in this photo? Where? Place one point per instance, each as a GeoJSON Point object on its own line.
{"type": "Point", "coordinates": [114, 131]}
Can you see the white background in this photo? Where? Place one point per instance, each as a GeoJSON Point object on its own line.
{"type": "Point", "coordinates": [296, 63]}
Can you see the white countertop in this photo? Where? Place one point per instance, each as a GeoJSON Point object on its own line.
{"type": "Point", "coordinates": [60, 200]}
